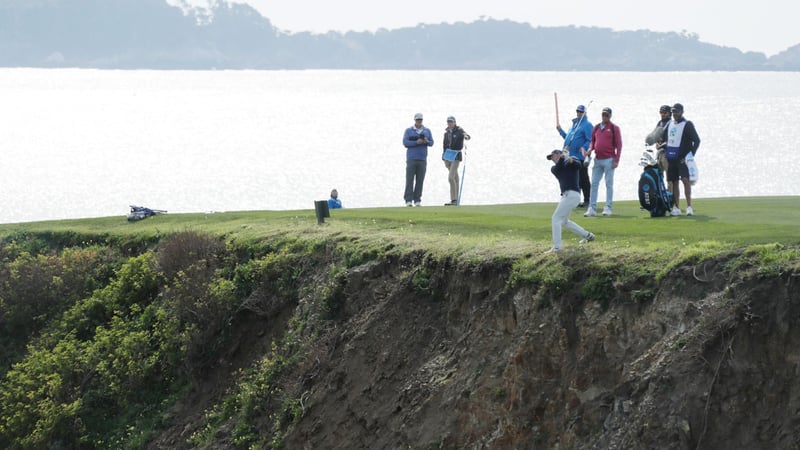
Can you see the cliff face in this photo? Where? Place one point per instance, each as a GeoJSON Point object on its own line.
{"type": "Point", "coordinates": [420, 353]}
{"type": "Point", "coordinates": [316, 344]}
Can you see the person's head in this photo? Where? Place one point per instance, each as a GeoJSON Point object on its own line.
{"type": "Point", "coordinates": [451, 121]}
{"type": "Point", "coordinates": [580, 111]}
{"type": "Point", "coordinates": [555, 155]}
{"type": "Point", "coordinates": [418, 120]}
{"type": "Point", "coordinates": [606, 114]}
{"type": "Point", "coordinates": [665, 111]}
{"type": "Point", "coordinates": [334, 193]}
{"type": "Point", "coordinates": [677, 111]}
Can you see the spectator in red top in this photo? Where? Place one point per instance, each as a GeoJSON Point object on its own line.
{"type": "Point", "coordinates": [607, 145]}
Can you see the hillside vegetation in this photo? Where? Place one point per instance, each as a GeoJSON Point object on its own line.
{"type": "Point", "coordinates": [403, 328]}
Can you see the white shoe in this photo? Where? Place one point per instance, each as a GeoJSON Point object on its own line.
{"type": "Point", "coordinates": [606, 211]}
{"type": "Point", "coordinates": [588, 238]}
{"type": "Point", "coordinates": [590, 212]}
{"type": "Point", "coordinates": [408, 204]}
{"type": "Point", "coordinates": [675, 211]}
{"type": "Point", "coordinates": [552, 250]}
{"type": "Point", "coordinates": [689, 211]}
{"type": "Point", "coordinates": [417, 203]}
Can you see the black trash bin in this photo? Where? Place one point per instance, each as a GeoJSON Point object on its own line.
{"type": "Point", "coordinates": [321, 208]}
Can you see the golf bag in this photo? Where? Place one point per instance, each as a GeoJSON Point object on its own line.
{"type": "Point", "coordinates": [653, 195]}
{"type": "Point", "coordinates": [140, 212]}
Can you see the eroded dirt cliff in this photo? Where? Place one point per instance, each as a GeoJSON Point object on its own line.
{"type": "Point", "coordinates": [423, 353]}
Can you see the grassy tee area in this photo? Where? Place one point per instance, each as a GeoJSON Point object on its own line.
{"type": "Point", "coordinates": [495, 230]}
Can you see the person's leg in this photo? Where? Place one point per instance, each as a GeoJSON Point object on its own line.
{"type": "Point", "coordinates": [586, 184]}
{"type": "Point", "coordinates": [410, 172]}
{"type": "Point", "coordinates": [569, 200]}
{"type": "Point", "coordinates": [687, 185]}
{"type": "Point", "coordinates": [676, 194]}
{"type": "Point", "coordinates": [610, 184]}
{"type": "Point", "coordinates": [672, 181]}
{"type": "Point", "coordinates": [597, 173]}
{"type": "Point", "coordinates": [576, 229]}
{"type": "Point", "coordinates": [452, 177]}
{"type": "Point", "coordinates": [421, 168]}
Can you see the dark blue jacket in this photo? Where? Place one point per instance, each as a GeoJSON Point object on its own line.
{"type": "Point", "coordinates": [567, 174]}
{"type": "Point", "coordinates": [454, 140]}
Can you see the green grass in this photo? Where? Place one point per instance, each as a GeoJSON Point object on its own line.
{"type": "Point", "coordinates": [508, 230]}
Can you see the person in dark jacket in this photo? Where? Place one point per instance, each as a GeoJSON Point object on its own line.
{"type": "Point", "coordinates": [566, 170]}
{"type": "Point", "coordinates": [416, 139]}
{"type": "Point", "coordinates": [681, 138]}
{"type": "Point", "coordinates": [454, 137]}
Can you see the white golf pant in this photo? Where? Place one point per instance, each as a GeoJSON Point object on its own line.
{"type": "Point", "coordinates": [569, 200]}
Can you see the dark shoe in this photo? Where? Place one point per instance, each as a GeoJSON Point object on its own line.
{"type": "Point", "coordinates": [581, 205]}
{"type": "Point", "coordinates": [452, 203]}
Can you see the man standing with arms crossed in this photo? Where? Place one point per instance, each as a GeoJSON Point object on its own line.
{"type": "Point", "coordinates": [607, 142]}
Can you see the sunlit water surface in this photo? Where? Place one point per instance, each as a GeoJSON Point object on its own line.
{"type": "Point", "coordinates": [86, 143]}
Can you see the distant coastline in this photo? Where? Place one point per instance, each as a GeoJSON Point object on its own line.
{"type": "Point", "coordinates": [155, 35]}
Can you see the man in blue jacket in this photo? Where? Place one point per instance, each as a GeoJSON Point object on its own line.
{"type": "Point", "coordinates": [566, 168]}
{"type": "Point", "coordinates": [416, 139]}
{"type": "Point", "coordinates": [576, 143]}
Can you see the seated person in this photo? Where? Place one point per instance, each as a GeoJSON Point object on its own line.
{"type": "Point", "coordinates": [334, 202]}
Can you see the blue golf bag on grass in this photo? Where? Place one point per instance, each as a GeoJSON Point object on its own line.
{"type": "Point", "coordinates": [653, 195]}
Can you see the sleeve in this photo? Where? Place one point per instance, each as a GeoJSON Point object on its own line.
{"type": "Point", "coordinates": [427, 133]}
{"type": "Point", "coordinates": [587, 134]}
{"type": "Point", "coordinates": [561, 132]}
{"type": "Point", "coordinates": [408, 139]}
{"type": "Point", "coordinates": [695, 138]}
{"type": "Point", "coordinates": [594, 136]}
{"type": "Point", "coordinates": [618, 152]}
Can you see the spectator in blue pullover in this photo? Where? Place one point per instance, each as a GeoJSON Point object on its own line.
{"type": "Point", "coordinates": [576, 143]}
{"type": "Point", "coordinates": [565, 169]}
{"type": "Point", "coordinates": [334, 202]}
{"type": "Point", "coordinates": [416, 139]}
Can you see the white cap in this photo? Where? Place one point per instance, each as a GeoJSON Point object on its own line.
{"type": "Point", "coordinates": [418, 116]}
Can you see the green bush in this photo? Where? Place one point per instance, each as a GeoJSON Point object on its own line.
{"type": "Point", "coordinates": [35, 289]}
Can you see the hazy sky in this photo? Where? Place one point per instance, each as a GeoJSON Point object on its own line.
{"type": "Point", "coordinates": [767, 26]}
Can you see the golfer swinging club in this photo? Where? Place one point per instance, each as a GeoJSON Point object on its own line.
{"type": "Point", "coordinates": [566, 169]}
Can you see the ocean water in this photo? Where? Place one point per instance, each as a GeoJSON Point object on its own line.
{"type": "Point", "coordinates": [80, 143]}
